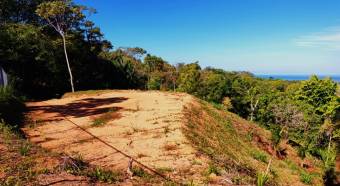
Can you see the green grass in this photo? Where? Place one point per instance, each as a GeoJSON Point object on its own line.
{"type": "Point", "coordinates": [139, 172]}
{"type": "Point", "coordinates": [98, 122]}
{"type": "Point", "coordinates": [249, 136]}
{"type": "Point", "coordinates": [262, 179]}
{"type": "Point", "coordinates": [77, 166]}
{"type": "Point", "coordinates": [260, 156]}
{"type": "Point", "coordinates": [21, 173]}
{"type": "Point", "coordinates": [306, 178]}
{"type": "Point", "coordinates": [213, 169]}
{"type": "Point", "coordinates": [25, 149]}
{"type": "Point", "coordinates": [107, 176]}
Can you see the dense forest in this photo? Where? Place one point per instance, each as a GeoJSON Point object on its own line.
{"type": "Point", "coordinates": [304, 114]}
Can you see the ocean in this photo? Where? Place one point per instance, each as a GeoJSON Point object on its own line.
{"type": "Point", "coordinates": [296, 77]}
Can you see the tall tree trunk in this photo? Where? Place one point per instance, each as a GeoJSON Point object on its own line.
{"type": "Point", "coordinates": [253, 108]}
{"type": "Point", "coordinates": [68, 63]}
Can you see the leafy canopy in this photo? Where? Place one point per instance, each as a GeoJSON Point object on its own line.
{"type": "Point", "coordinates": [62, 15]}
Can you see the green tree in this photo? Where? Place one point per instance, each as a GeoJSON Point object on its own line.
{"type": "Point", "coordinates": [153, 64]}
{"type": "Point", "coordinates": [253, 95]}
{"type": "Point", "coordinates": [135, 52]}
{"type": "Point", "coordinates": [239, 93]}
{"type": "Point", "coordinates": [170, 77]}
{"type": "Point", "coordinates": [155, 81]}
{"type": "Point", "coordinates": [29, 58]}
{"type": "Point", "coordinates": [188, 80]}
{"type": "Point", "coordinates": [319, 94]}
{"type": "Point", "coordinates": [320, 104]}
{"type": "Point", "coordinates": [63, 16]}
{"type": "Point", "coordinates": [19, 11]}
{"type": "Point", "coordinates": [213, 86]}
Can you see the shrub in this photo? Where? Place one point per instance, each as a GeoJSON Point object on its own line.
{"type": "Point", "coordinates": [11, 107]}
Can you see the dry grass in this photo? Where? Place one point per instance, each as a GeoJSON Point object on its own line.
{"type": "Point", "coordinates": [87, 93]}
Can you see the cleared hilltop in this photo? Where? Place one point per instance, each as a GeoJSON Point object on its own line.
{"type": "Point", "coordinates": [175, 135]}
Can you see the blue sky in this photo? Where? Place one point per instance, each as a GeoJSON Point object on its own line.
{"type": "Point", "coordinates": [260, 36]}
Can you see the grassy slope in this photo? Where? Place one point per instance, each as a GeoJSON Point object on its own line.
{"type": "Point", "coordinates": [240, 150]}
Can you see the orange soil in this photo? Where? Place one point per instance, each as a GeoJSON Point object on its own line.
{"type": "Point", "coordinates": [148, 128]}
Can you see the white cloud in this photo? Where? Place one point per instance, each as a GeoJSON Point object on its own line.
{"type": "Point", "coordinates": [328, 39]}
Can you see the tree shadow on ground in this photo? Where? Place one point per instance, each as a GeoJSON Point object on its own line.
{"type": "Point", "coordinates": [80, 108]}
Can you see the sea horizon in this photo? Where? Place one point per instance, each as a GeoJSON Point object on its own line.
{"type": "Point", "coordinates": [296, 77]}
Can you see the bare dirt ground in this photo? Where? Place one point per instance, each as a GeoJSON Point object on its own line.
{"type": "Point", "coordinates": [34, 168]}
{"type": "Point", "coordinates": [145, 126]}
